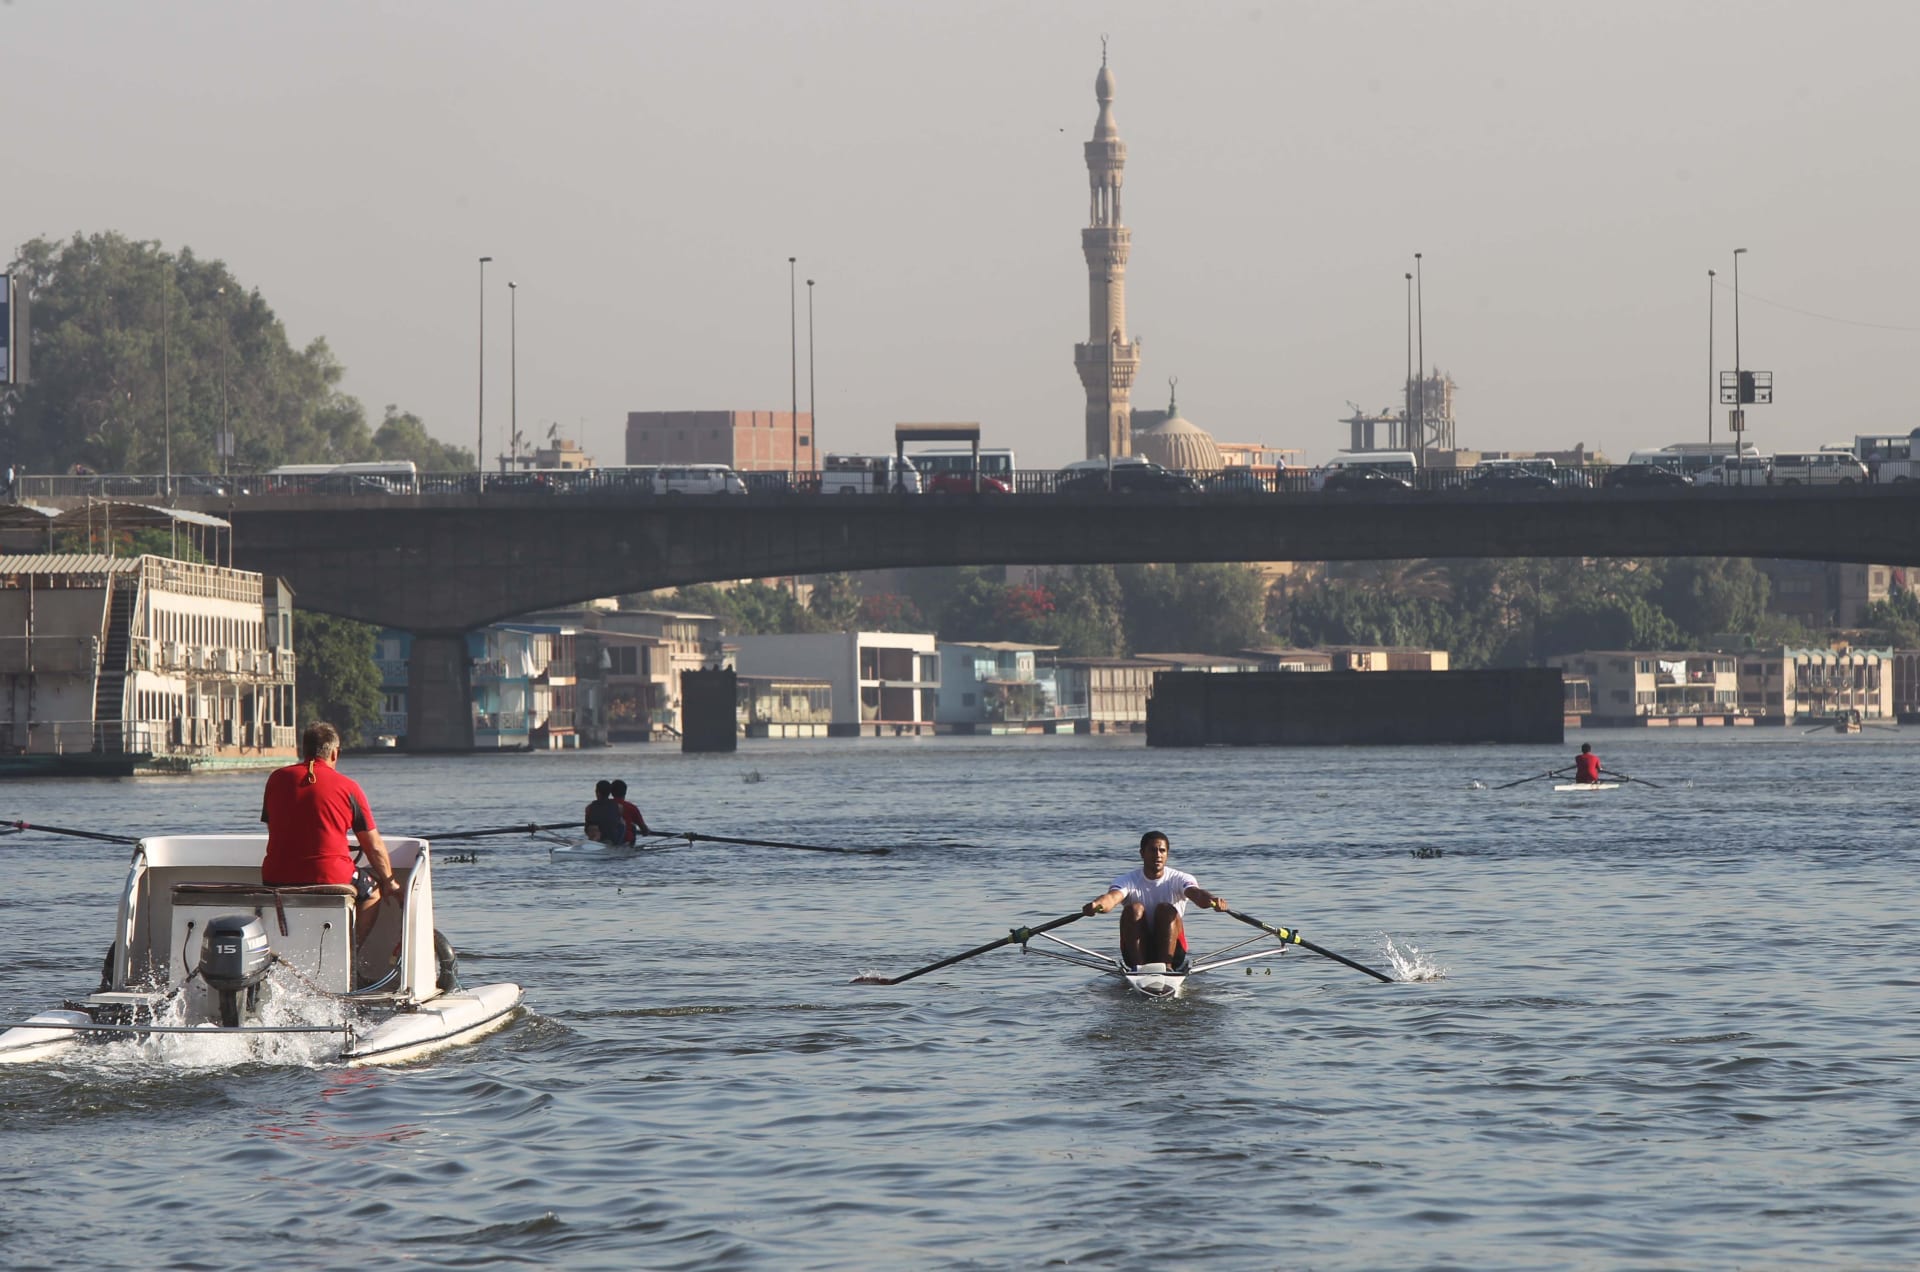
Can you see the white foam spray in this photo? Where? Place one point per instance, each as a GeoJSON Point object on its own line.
{"type": "Point", "coordinates": [1411, 964]}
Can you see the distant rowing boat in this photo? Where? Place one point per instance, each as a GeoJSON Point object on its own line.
{"type": "Point", "coordinates": [1587, 786]}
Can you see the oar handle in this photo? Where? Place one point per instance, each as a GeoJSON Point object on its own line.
{"type": "Point", "coordinates": [1292, 937]}
{"type": "Point", "coordinates": [1624, 778]}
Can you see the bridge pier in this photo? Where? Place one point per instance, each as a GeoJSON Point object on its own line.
{"type": "Point", "coordinates": [439, 693]}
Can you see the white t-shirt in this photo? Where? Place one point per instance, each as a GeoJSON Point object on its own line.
{"type": "Point", "coordinates": [1171, 887]}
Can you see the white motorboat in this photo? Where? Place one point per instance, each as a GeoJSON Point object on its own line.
{"type": "Point", "coordinates": [202, 945]}
{"type": "Point", "coordinates": [1587, 786]}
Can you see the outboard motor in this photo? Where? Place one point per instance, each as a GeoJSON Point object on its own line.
{"type": "Point", "coordinates": [234, 959]}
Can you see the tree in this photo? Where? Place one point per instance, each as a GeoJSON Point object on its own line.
{"type": "Point", "coordinates": [337, 679]}
{"type": "Point", "coordinates": [750, 609]}
{"type": "Point", "coordinates": [887, 612]}
{"type": "Point", "coordinates": [402, 435]}
{"type": "Point", "coordinates": [1211, 609]}
{"type": "Point", "coordinates": [140, 355]}
{"type": "Point", "coordinates": [1705, 596]}
{"type": "Point", "coordinates": [835, 601]}
{"type": "Point", "coordinates": [1087, 604]}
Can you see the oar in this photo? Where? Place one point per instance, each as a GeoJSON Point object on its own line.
{"type": "Point", "coordinates": [77, 834]}
{"type": "Point", "coordinates": [524, 828]}
{"type": "Point", "coordinates": [1624, 778]}
{"type": "Point", "coordinates": [1018, 935]}
{"type": "Point", "coordinates": [1523, 781]}
{"type": "Point", "coordinates": [695, 837]}
{"type": "Point", "coordinates": [1291, 937]}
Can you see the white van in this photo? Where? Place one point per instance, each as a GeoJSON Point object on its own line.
{"type": "Point", "coordinates": [1393, 463]}
{"type": "Point", "coordinates": [697, 479]}
{"type": "Point", "coordinates": [868, 475]}
{"type": "Point", "coordinates": [1819, 468]}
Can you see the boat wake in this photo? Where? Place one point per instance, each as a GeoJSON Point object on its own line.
{"type": "Point", "coordinates": [288, 1005]}
{"type": "Point", "coordinates": [1412, 964]}
{"type": "Point", "coordinates": [1475, 784]}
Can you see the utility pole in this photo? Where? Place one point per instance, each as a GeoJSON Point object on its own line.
{"type": "Point", "coordinates": [480, 439]}
{"type": "Point", "coordinates": [1420, 305]}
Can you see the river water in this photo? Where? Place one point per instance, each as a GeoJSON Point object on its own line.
{"type": "Point", "coordinates": [1666, 1026]}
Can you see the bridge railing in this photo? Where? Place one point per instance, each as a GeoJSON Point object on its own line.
{"type": "Point", "coordinates": [637, 485]}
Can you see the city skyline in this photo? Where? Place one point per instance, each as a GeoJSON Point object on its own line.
{"type": "Point", "coordinates": [641, 172]}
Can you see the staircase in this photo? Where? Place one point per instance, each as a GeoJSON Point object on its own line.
{"type": "Point", "coordinates": [110, 692]}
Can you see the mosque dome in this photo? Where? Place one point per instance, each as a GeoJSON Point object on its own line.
{"type": "Point", "coordinates": [1178, 444]}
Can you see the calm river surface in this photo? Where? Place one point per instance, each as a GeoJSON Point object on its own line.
{"type": "Point", "coordinates": [1667, 1027]}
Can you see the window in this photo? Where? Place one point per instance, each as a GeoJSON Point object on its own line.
{"type": "Point", "coordinates": [1753, 669]}
{"type": "Point", "coordinates": [1644, 698]}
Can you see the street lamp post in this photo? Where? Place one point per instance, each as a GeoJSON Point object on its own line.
{"type": "Point", "coordinates": [813, 420]}
{"type": "Point", "coordinates": [513, 369]}
{"type": "Point", "coordinates": [793, 365]}
{"type": "Point", "coordinates": [1407, 394]}
{"type": "Point", "coordinates": [226, 421]}
{"type": "Point", "coordinates": [480, 438]}
{"type": "Point", "coordinates": [1739, 385]}
{"type": "Point", "coordinates": [166, 378]}
{"type": "Point", "coordinates": [1420, 306]}
{"type": "Point", "coordinates": [1710, 375]}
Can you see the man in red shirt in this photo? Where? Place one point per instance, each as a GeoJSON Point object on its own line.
{"type": "Point", "coordinates": [630, 813]}
{"type": "Point", "coordinates": [309, 808]}
{"type": "Point", "coordinates": [1586, 765]}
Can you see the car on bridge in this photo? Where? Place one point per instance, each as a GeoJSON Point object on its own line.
{"type": "Point", "coordinates": [1645, 477]}
{"type": "Point", "coordinates": [1129, 474]}
{"type": "Point", "coordinates": [1355, 480]}
{"type": "Point", "coordinates": [1237, 480]}
{"type": "Point", "coordinates": [1514, 474]}
{"type": "Point", "coordinates": [949, 482]}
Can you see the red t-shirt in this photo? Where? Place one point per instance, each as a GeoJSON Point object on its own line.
{"type": "Point", "coordinates": [631, 815]}
{"type": "Point", "coordinates": [1586, 767]}
{"type": "Point", "coordinates": [307, 825]}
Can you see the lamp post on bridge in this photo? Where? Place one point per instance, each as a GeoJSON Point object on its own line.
{"type": "Point", "coordinates": [513, 370]}
{"type": "Point", "coordinates": [480, 439]}
{"type": "Point", "coordinates": [1710, 374]}
{"type": "Point", "coordinates": [793, 367]}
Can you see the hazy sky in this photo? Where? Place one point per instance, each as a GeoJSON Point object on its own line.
{"type": "Point", "coordinates": [643, 170]}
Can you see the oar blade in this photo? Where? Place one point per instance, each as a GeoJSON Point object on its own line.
{"type": "Point", "coordinates": [1292, 937]}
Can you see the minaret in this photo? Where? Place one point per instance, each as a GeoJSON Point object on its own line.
{"type": "Point", "coordinates": [1109, 358]}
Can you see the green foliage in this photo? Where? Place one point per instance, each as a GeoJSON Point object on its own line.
{"type": "Point", "coordinates": [337, 679]}
{"type": "Point", "coordinates": [402, 435]}
{"type": "Point", "coordinates": [1202, 609]}
{"type": "Point", "coordinates": [1087, 606]}
{"type": "Point", "coordinates": [888, 612]}
{"type": "Point", "coordinates": [117, 320]}
{"type": "Point", "coordinates": [1705, 595]}
{"type": "Point", "coordinates": [1514, 612]}
{"type": "Point", "coordinates": [1894, 622]}
{"type": "Point", "coordinates": [835, 602]}
{"type": "Point", "coordinates": [751, 609]}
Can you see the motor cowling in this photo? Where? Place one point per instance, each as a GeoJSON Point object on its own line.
{"type": "Point", "coordinates": [234, 958]}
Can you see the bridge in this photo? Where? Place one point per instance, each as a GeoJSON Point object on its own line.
{"type": "Point", "coordinates": [440, 565]}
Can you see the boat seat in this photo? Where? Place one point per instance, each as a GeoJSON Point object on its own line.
{"type": "Point", "coordinates": [269, 889]}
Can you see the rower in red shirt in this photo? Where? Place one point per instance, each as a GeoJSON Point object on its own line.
{"type": "Point", "coordinates": [309, 809]}
{"type": "Point", "coordinates": [1586, 765]}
